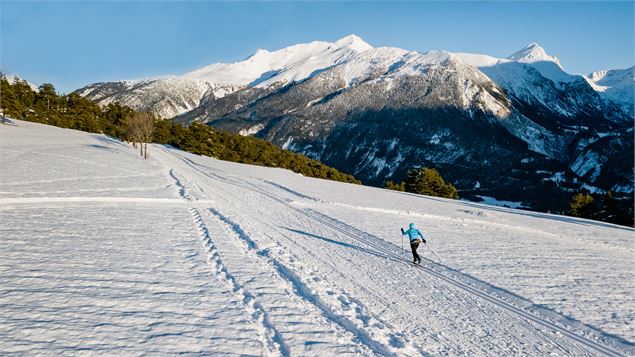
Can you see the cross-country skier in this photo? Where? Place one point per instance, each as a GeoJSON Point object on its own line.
{"type": "Point", "coordinates": [414, 235]}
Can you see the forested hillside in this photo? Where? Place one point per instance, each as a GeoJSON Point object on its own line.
{"type": "Point", "coordinates": [72, 111]}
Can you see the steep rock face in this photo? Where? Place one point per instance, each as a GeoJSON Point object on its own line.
{"type": "Point", "coordinates": [387, 110]}
{"type": "Point", "coordinates": [538, 80]}
{"type": "Point", "coordinates": [390, 110]}
{"type": "Point", "coordinates": [560, 114]}
{"type": "Point", "coordinates": [378, 79]}
{"type": "Point", "coordinates": [214, 107]}
{"type": "Point", "coordinates": [607, 161]}
{"type": "Point", "coordinates": [165, 97]}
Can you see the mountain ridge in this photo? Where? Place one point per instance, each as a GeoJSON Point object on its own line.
{"type": "Point", "coordinates": [264, 68]}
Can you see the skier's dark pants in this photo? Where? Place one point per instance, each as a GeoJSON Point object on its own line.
{"type": "Point", "coordinates": [414, 245]}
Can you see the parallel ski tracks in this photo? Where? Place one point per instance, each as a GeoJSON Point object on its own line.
{"type": "Point", "coordinates": [350, 232]}
{"type": "Point", "coordinates": [272, 343]}
{"type": "Point", "coordinates": [272, 338]}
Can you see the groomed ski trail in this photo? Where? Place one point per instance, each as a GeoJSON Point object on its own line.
{"type": "Point", "coordinates": [366, 329]}
{"type": "Point", "coordinates": [579, 344]}
{"type": "Point", "coordinates": [280, 305]}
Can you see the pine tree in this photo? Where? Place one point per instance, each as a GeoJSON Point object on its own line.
{"type": "Point", "coordinates": [47, 94]}
{"type": "Point", "coordinates": [582, 206]}
{"type": "Point", "coordinates": [19, 101]}
{"type": "Point", "coordinates": [390, 185]}
{"type": "Point", "coordinates": [427, 181]}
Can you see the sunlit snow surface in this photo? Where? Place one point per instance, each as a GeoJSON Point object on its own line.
{"type": "Point", "coordinates": [103, 252]}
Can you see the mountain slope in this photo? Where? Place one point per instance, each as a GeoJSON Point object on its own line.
{"type": "Point", "coordinates": [387, 110]}
{"type": "Point", "coordinates": [377, 112]}
{"type": "Point", "coordinates": [538, 79]}
{"type": "Point", "coordinates": [173, 95]}
{"type": "Point", "coordinates": [166, 97]}
{"type": "Point", "coordinates": [617, 85]}
{"type": "Point", "coordinates": [348, 114]}
{"type": "Point", "coordinates": [186, 254]}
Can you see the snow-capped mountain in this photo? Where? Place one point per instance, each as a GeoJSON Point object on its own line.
{"type": "Point", "coordinates": [289, 64]}
{"type": "Point", "coordinates": [328, 116]}
{"type": "Point", "coordinates": [517, 123]}
{"type": "Point", "coordinates": [166, 97]}
{"type": "Point", "coordinates": [532, 76]}
{"type": "Point", "coordinates": [617, 85]}
{"type": "Point", "coordinates": [533, 53]}
{"type": "Point", "coordinates": [173, 95]}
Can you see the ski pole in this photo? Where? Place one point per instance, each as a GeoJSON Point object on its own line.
{"type": "Point", "coordinates": [402, 244]}
{"type": "Point", "coordinates": [433, 252]}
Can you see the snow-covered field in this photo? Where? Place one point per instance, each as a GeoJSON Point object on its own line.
{"type": "Point", "coordinates": [104, 252]}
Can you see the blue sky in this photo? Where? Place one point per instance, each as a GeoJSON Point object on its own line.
{"type": "Point", "coordinates": [71, 44]}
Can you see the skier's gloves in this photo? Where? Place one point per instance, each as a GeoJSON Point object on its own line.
{"type": "Point", "coordinates": [424, 241]}
{"type": "Point", "coordinates": [401, 230]}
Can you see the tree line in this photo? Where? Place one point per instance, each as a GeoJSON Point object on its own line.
{"type": "Point", "coordinates": [72, 111]}
{"type": "Point", "coordinates": [601, 208]}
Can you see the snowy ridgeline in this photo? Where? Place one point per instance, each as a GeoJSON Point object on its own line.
{"type": "Point", "coordinates": [103, 252]}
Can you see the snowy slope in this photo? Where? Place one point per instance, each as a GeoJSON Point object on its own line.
{"type": "Point", "coordinates": [532, 55]}
{"type": "Point", "coordinates": [617, 85]}
{"type": "Point", "coordinates": [535, 77]}
{"type": "Point", "coordinates": [104, 252]}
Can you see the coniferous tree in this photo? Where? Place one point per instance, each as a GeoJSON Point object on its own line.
{"type": "Point", "coordinates": [427, 181]}
{"type": "Point", "coordinates": [390, 185]}
{"type": "Point", "coordinates": [582, 206]}
{"type": "Point", "coordinates": [47, 94]}
{"type": "Point", "coordinates": [73, 111]}
{"type": "Point", "coordinates": [20, 101]}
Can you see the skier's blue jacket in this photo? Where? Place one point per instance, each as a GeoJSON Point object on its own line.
{"type": "Point", "coordinates": [413, 233]}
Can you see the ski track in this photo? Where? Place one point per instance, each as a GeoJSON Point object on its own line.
{"type": "Point", "coordinates": [179, 186]}
{"type": "Point", "coordinates": [394, 338]}
{"type": "Point", "coordinates": [496, 300]}
{"type": "Point", "coordinates": [265, 305]}
{"type": "Point", "coordinates": [270, 337]}
{"type": "Point", "coordinates": [287, 189]}
{"type": "Point", "coordinates": [491, 295]}
{"type": "Point", "coordinates": [355, 321]}
{"type": "Point", "coordinates": [303, 291]}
